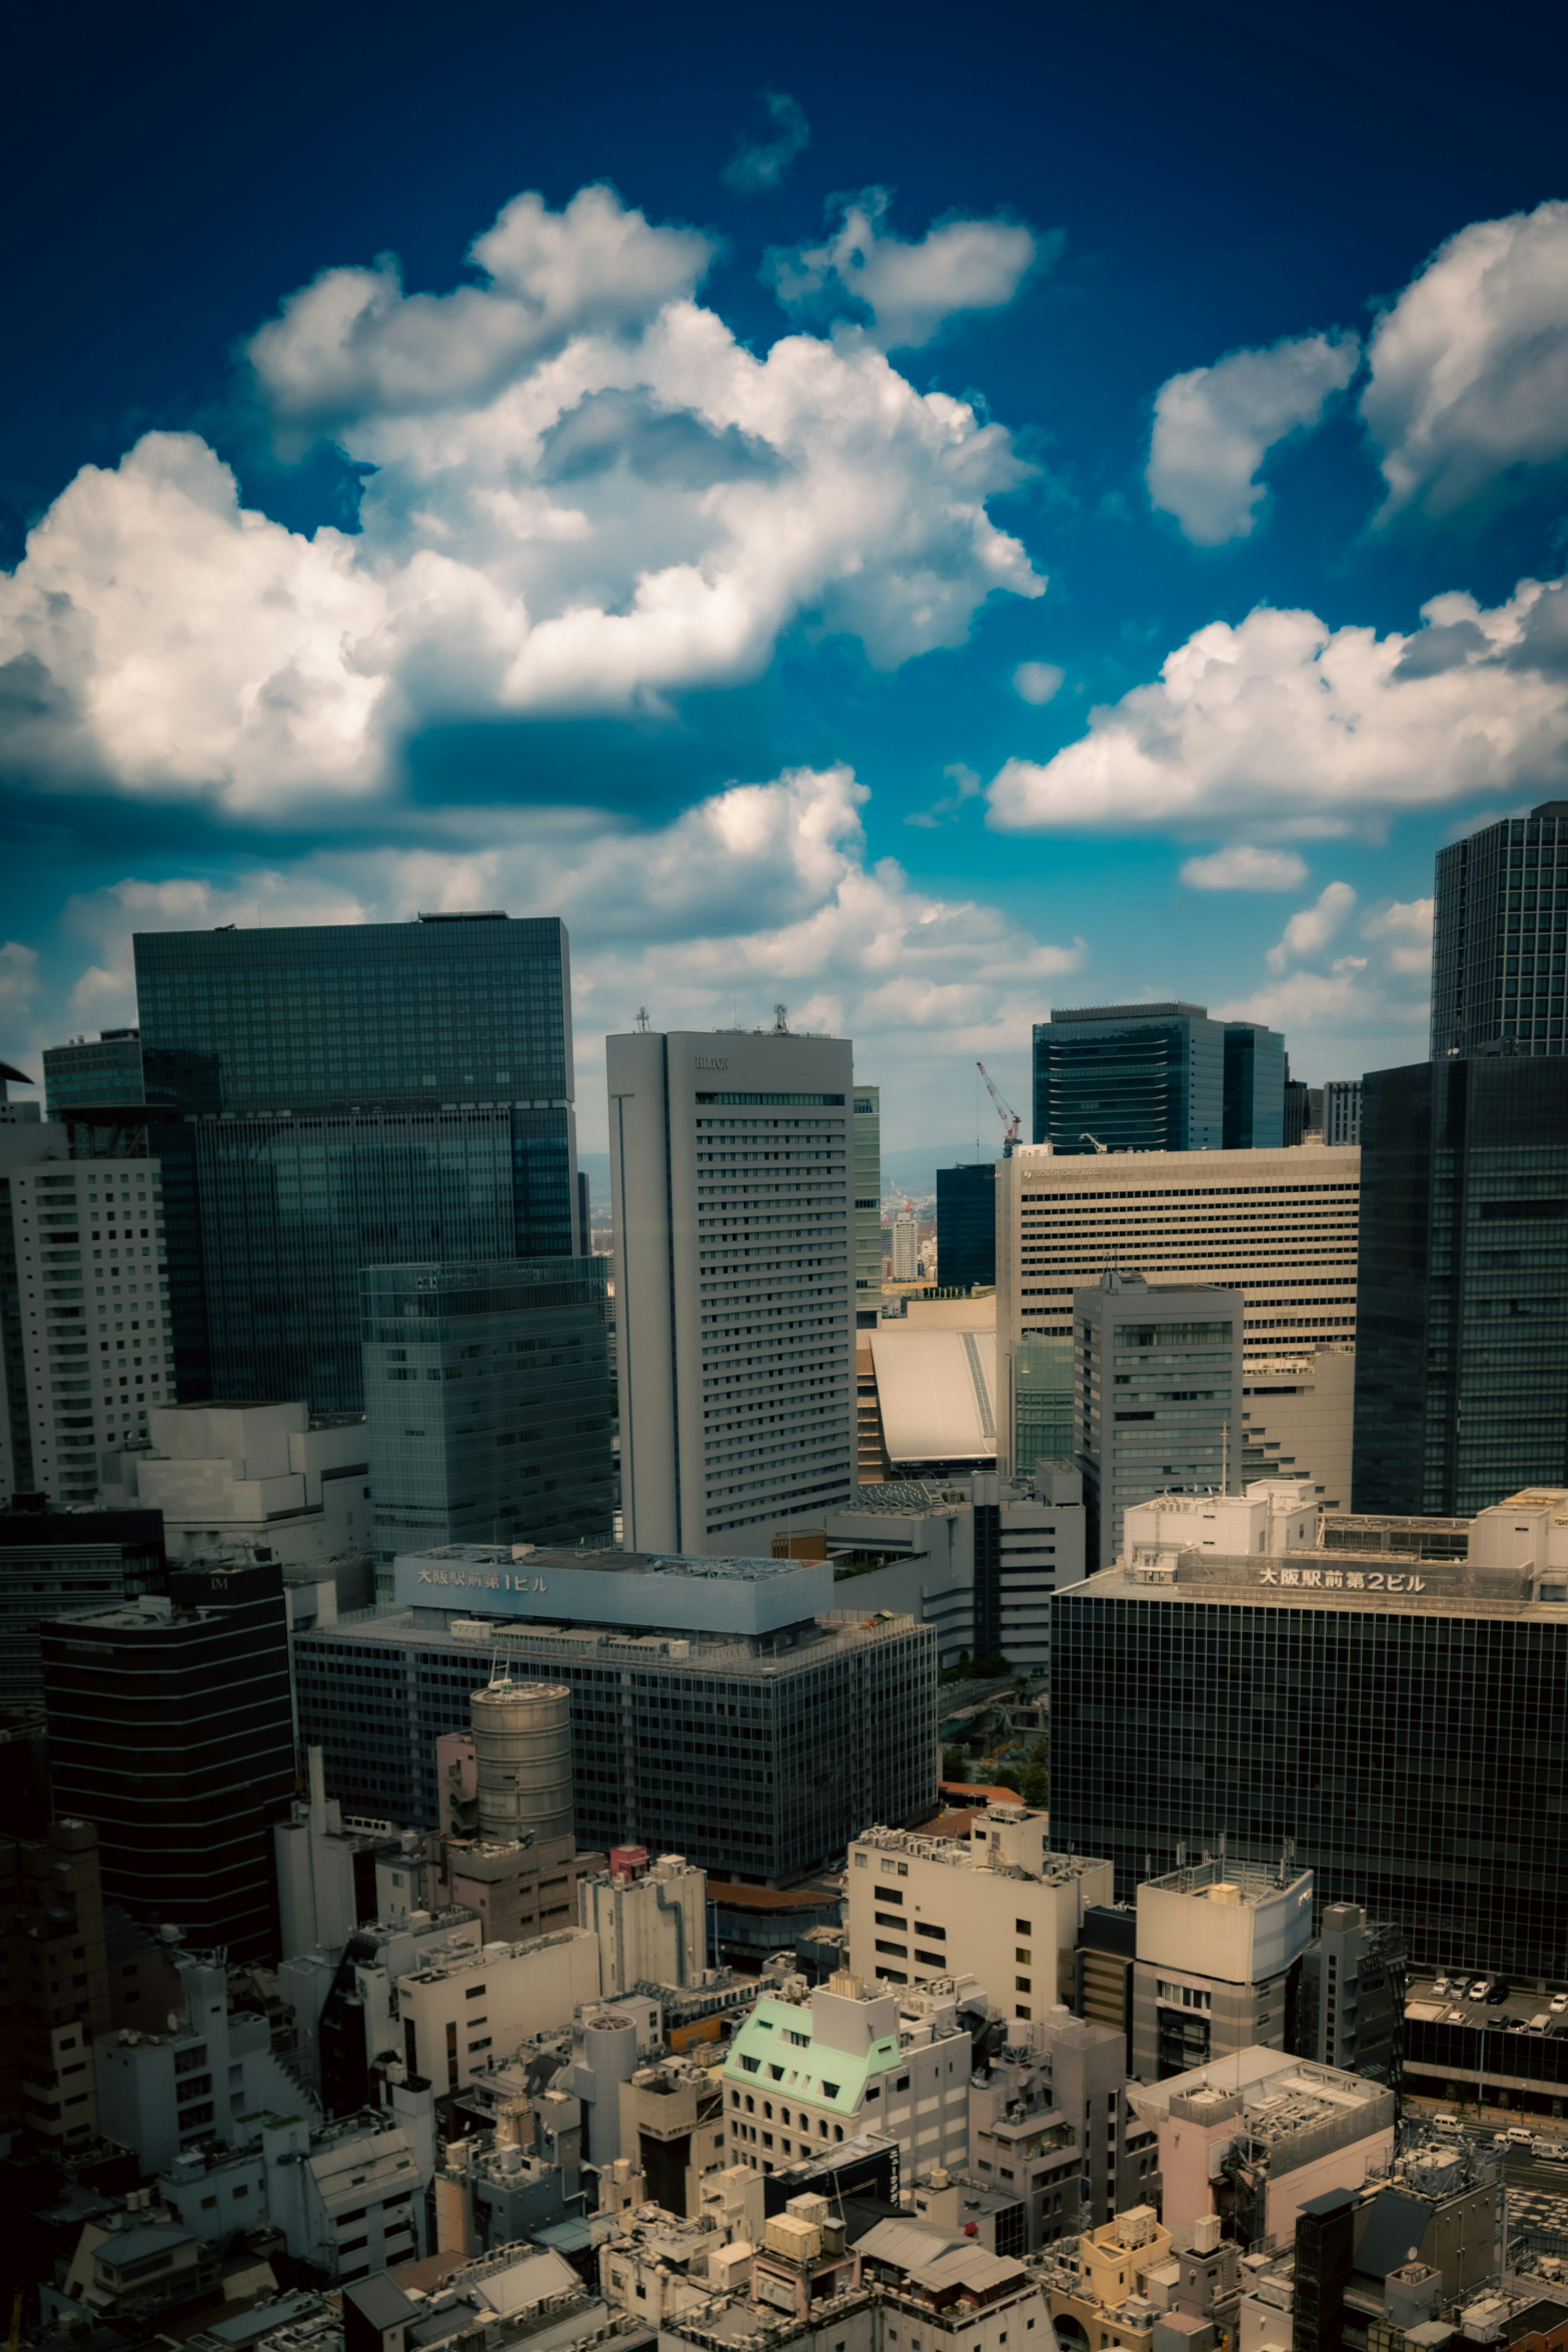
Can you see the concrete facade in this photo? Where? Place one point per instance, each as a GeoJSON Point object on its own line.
{"type": "Point", "coordinates": [1000, 1907]}
{"type": "Point", "coordinates": [249, 1475]}
{"type": "Point", "coordinates": [457, 2011]}
{"type": "Point", "coordinates": [650, 1919]}
{"type": "Point", "coordinates": [1158, 1374]}
{"type": "Point", "coordinates": [1218, 1962]}
{"type": "Point", "coordinates": [732, 1168]}
{"type": "Point", "coordinates": [1298, 1419]}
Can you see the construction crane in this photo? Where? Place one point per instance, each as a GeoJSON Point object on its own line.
{"type": "Point", "coordinates": [1011, 1122]}
{"type": "Point", "coordinates": [1094, 1139]}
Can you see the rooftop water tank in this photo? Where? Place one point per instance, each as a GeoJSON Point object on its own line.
{"type": "Point", "coordinates": [523, 1761]}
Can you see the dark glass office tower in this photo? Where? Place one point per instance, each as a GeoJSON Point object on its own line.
{"type": "Point", "coordinates": [1405, 1725]}
{"type": "Point", "coordinates": [487, 1391]}
{"type": "Point", "coordinates": [1254, 1108]}
{"type": "Point", "coordinates": [1129, 1077]}
{"type": "Point", "coordinates": [1462, 1331]}
{"type": "Point", "coordinates": [967, 1224]}
{"type": "Point", "coordinates": [350, 1094]}
{"type": "Point", "coordinates": [448, 1010]}
{"type": "Point", "coordinates": [171, 1729]}
{"type": "Point", "coordinates": [1499, 930]}
{"type": "Point", "coordinates": [290, 1211]}
{"type": "Point", "coordinates": [104, 1069]}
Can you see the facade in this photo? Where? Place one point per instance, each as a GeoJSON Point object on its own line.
{"type": "Point", "coordinates": [906, 1247]}
{"type": "Point", "coordinates": [198, 2075]}
{"type": "Point", "coordinates": [977, 1558]}
{"type": "Point", "coordinates": [1341, 1110]}
{"type": "Point", "coordinates": [1049, 2124]}
{"type": "Point", "coordinates": [58, 1563]}
{"type": "Point", "coordinates": [1254, 1102]}
{"type": "Point", "coordinates": [866, 1146]}
{"type": "Point", "coordinates": [291, 1208]}
{"type": "Point", "coordinates": [801, 2080]}
{"type": "Point", "coordinates": [967, 1224]}
{"type": "Point", "coordinates": [1441, 1831]}
{"type": "Point", "coordinates": [309, 1018]}
{"type": "Point", "coordinates": [1248, 2145]}
{"type": "Point", "coordinates": [719, 1710]}
{"type": "Point", "coordinates": [1499, 935]}
{"type": "Point", "coordinates": [270, 1480]}
{"type": "Point", "coordinates": [89, 1072]}
{"type": "Point", "coordinates": [999, 1907]}
{"type": "Point", "coordinates": [195, 1689]}
{"type": "Point", "coordinates": [1298, 1414]}
{"type": "Point", "coordinates": [1350, 2008]}
{"type": "Point", "coordinates": [732, 1169]}
{"type": "Point", "coordinates": [1463, 1355]}
{"type": "Point", "coordinates": [651, 1921]}
{"type": "Point", "coordinates": [52, 1952]}
{"type": "Point", "coordinates": [1279, 1227]}
{"type": "Point", "coordinates": [457, 2011]}
{"type": "Point", "coordinates": [935, 1391]}
{"type": "Point", "coordinates": [1129, 1077]}
{"type": "Point", "coordinates": [487, 1403]}
{"type": "Point", "coordinates": [1218, 1966]}
{"type": "Point", "coordinates": [1159, 1396]}
{"type": "Point", "coordinates": [91, 1309]}
{"type": "Point", "coordinates": [341, 1094]}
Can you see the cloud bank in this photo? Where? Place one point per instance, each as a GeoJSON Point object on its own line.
{"type": "Point", "coordinates": [587, 497]}
{"type": "Point", "coordinates": [1287, 727]}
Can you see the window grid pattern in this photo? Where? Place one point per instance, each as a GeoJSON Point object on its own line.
{"type": "Point", "coordinates": [1499, 933]}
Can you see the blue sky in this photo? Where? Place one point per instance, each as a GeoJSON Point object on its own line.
{"type": "Point", "coordinates": [911, 518]}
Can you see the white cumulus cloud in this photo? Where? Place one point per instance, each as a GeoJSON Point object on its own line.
{"type": "Point", "coordinates": [1292, 727]}
{"type": "Point", "coordinates": [1309, 931]}
{"type": "Point", "coordinates": [1467, 371]}
{"type": "Point", "coordinates": [1038, 681]}
{"type": "Point", "coordinates": [1214, 425]}
{"type": "Point", "coordinates": [1406, 925]}
{"type": "Point", "coordinates": [906, 290]}
{"type": "Point", "coordinates": [588, 497]}
{"type": "Point", "coordinates": [1245, 867]}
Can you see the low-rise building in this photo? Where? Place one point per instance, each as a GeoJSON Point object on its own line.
{"type": "Point", "coordinates": [460, 2009]}
{"type": "Point", "coordinates": [163, 2093]}
{"type": "Point", "coordinates": [1254, 2139]}
{"type": "Point", "coordinates": [1218, 1966]}
{"type": "Point", "coordinates": [673, 2129]}
{"type": "Point", "coordinates": [326, 1866]}
{"type": "Point", "coordinates": [1350, 2008]}
{"type": "Point", "coordinates": [999, 1907]}
{"type": "Point", "coordinates": [651, 1920]}
{"type": "Point", "coordinates": [1048, 2124]}
{"type": "Point", "coordinates": [344, 2000]}
{"type": "Point", "coordinates": [1270, 1517]}
{"type": "Point", "coordinates": [805, 2076]}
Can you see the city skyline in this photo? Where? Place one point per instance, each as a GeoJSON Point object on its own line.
{"type": "Point", "coordinates": [921, 561]}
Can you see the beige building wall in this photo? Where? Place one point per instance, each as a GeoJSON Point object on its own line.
{"type": "Point", "coordinates": [1298, 1420]}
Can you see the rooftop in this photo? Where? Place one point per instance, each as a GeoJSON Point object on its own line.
{"type": "Point", "coordinates": [1271, 2095]}
{"type": "Point", "coordinates": [1238, 1884]}
{"type": "Point", "coordinates": [553, 1638]}
{"type": "Point", "coordinates": [1338, 1580]}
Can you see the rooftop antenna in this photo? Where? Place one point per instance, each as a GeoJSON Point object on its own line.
{"type": "Point", "coordinates": [642, 1020]}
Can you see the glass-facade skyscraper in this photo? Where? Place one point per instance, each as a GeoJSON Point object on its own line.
{"type": "Point", "coordinates": [487, 1390]}
{"type": "Point", "coordinates": [1158, 1379]}
{"type": "Point", "coordinates": [1462, 1338]}
{"type": "Point", "coordinates": [348, 1094]}
{"type": "Point", "coordinates": [1129, 1077]}
{"type": "Point", "coordinates": [1400, 1718]}
{"type": "Point", "coordinates": [967, 1224]}
{"type": "Point", "coordinates": [91, 1072]}
{"type": "Point", "coordinates": [1254, 1105]}
{"type": "Point", "coordinates": [1500, 932]}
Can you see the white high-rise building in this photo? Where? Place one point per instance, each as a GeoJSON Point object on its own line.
{"type": "Point", "coordinates": [92, 1304]}
{"type": "Point", "coordinates": [731, 1175]}
{"type": "Point", "coordinates": [906, 1248]}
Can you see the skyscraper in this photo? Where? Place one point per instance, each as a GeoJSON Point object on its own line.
{"type": "Point", "coordinates": [1159, 1396]}
{"type": "Point", "coordinates": [1499, 936]}
{"type": "Point", "coordinates": [967, 1224]}
{"type": "Point", "coordinates": [90, 1304]}
{"type": "Point", "coordinates": [171, 1730]}
{"type": "Point", "coordinates": [89, 1072]}
{"type": "Point", "coordinates": [1462, 1354]}
{"type": "Point", "coordinates": [1129, 1077]}
{"type": "Point", "coordinates": [347, 1095]}
{"type": "Point", "coordinates": [732, 1172]}
{"type": "Point", "coordinates": [868, 1207]}
{"type": "Point", "coordinates": [487, 1394]}
{"type": "Point", "coordinates": [1253, 1103]}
